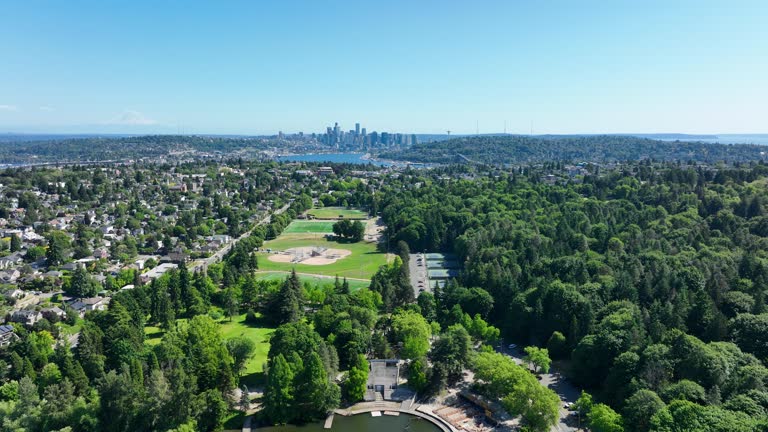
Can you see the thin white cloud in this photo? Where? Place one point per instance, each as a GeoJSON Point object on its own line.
{"type": "Point", "coordinates": [131, 118]}
{"type": "Point", "coordinates": [47, 108]}
{"type": "Point", "coordinates": [8, 108]}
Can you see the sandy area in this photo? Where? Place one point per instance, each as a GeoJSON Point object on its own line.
{"type": "Point", "coordinates": [325, 257]}
{"type": "Point", "coordinates": [281, 258]}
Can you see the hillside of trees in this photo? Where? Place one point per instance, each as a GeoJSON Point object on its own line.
{"type": "Point", "coordinates": [120, 148]}
{"type": "Point", "coordinates": [518, 149]}
{"type": "Point", "coordinates": [647, 283]}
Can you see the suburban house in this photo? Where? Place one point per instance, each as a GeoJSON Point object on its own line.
{"type": "Point", "coordinates": [11, 260]}
{"type": "Point", "coordinates": [177, 255]}
{"type": "Point", "coordinates": [53, 313]}
{"type": "Point", "coordinates": [85, 305]}
{"type": "Point", "coordinates": [158, 271]}
{"type": "Point", "coordinates": [6, 335]}
{"type": "Point", "coordinates": [26, 317]}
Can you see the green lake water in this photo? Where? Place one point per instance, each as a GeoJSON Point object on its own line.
{"type": "Point", "coordinates": [362, 423]}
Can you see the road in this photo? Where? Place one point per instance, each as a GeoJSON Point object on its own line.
{"type": "Point", "coordinates": [557, 382]}
{"type": "Point", "coordinates": [216, 257]}
{"type": "Point", "coordinates": [418, 273]}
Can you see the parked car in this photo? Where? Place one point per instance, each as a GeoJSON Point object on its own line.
{"type": "Point", "coordinates": [512, 346]}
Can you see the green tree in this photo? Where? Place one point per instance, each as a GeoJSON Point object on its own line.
{"type": "Point", "coordinates": [604, 419]}
{"type": "Point", "coordinates": [539, 358]}
{"type": "Point", "coordinates": [208, 355]}
{"type": "Point", "coordinates": [287, 304]}
{"type": "Point", "coordinates": [640, 408]}
{"type": "Point", "coordinates": [413, 331]}
{"type": "Point", "coordinates": [357, 380]}
{"type": "Point", "coordinates": [15, 243]}
{"type": "Point", "coordinates": [279, 391]}
{"type": "Point", "coordinates": [58, 246]}
{"type": "Point", "coordinates": [314, 394]}
{"type": "Point", "coordinates": [213, 411]}
{"type": "Point", "coordinates": [557, 345]}
{"type": "Point", "coordinates": [241, 349]}
{"type": "Point", "coordinates": [81, 284]}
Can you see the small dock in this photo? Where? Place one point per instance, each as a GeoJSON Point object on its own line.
{"type": "Point", "coordinates": [375, 413]}
{"type": "Point", "coordinates": [328, 422]}
{"type": "Point", "coordinates": [391, 413]}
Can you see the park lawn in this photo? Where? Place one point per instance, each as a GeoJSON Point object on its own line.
{"type": "Point", "coordinates": [260, 335]}
{"type": "Point", "coordinates": [335, 212]}
{"type": "Point", "coordinates": [354, 284]}
{"type": "Point", "coordinates": [364, 261]}
{"type": "Point", "coordinates": [152, 335]}
{"type": "Point", "coordinates": [71, 329]}
{"type": "Point", "coordinates": [253, 372]}
{"type": "Point", "coordinates": [299, 226]}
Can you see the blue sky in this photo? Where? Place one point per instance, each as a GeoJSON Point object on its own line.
{"type": "Point", "coordinates": [418, 66]}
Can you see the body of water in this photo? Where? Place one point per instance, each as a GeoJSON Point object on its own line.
{"type": "Point", "coordinates": [759, 139]}
{"type": "Point", "coordinates": [363, 423]}
{"type": "Point", "coordinates": [350, 158]}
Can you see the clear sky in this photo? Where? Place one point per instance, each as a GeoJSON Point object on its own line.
{"type": "Point", "coordinates": [426, 66]}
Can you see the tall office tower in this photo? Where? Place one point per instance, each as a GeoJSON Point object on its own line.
{"type": "Point", "coordinates": [357, 128]}
{"type": "Point", "coordinates": [363, 132]}
{"type": "Point", "coordinates": [384, 138]}
{"type": "Point", "coordinates": [336, 129]}
{"type": "Point", "coordinates": [374, 138]}
{"type": "Point", "coordinates": [414, 141]}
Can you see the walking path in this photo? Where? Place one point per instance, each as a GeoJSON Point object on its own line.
{"type": "Point", "coordinates": [309, 274]}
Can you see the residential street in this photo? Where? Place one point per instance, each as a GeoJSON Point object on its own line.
{"type": "Point", "coordinates": [205, 262]}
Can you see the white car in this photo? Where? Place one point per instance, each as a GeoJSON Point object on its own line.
{"type": "Point", "coordinates": [512, 346]}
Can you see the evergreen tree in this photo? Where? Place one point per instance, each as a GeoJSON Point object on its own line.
{"type": "Point", "coordinates": [15, 243]}
{"type": "Point", "coordinates": [278, 392]}
{"type": "Point", "coordinates": [314, 395]}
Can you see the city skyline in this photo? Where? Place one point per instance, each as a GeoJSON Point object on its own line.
{"type": "Point", "coordinates": [595, 67]}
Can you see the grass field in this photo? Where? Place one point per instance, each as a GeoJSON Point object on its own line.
{"type": "Point", "coordinates": [335, 212]}
{"type": "Point", "coordinates": [299, 226]}
{"type": "Point", "coordinates": [253, 372]}
{"type": "Point", "coordinates": [354, 285]}
{"type": "Point", "coordinates": [238, 327]}
{"type": "Point", "coordinates": [364, 261]}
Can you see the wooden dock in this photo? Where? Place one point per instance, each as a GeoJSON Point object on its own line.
{"type": "Point", "coordinates": [328, 422]}
{"type": "Point", "coordinates": [391, 413]}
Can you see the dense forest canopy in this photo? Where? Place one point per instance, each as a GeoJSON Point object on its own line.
{"type": "Point", "coordinates": [518, 149]}
{"type": "Point", "coordinates": [648, 282]}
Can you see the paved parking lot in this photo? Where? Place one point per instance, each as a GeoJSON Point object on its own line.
{"type": "Point", "coordinates": [417, 266]}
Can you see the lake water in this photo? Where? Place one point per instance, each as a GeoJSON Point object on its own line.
{"type": "Point", "coordinates": [363, 423]}
{"type": "Point", "coordinates": [350, 158]}
{"type": "Point", "coordinates": [760, 139]}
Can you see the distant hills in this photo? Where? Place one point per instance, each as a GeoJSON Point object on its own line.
{"type": "Point", "coordinates": [517, 149]}
{"type": "Point", "coordinates": [112, 148]}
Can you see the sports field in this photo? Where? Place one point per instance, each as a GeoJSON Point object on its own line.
{"type": "Point", "coordinates": [337, 213]}
{"type": "Point", "coordinates": [354, 284]}
{"type": "Point", "coordinates": [299, 226]}
{"type": "Point", "coordinates": [361, 263]}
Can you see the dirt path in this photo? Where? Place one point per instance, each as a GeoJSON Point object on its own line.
{"type": "Point", "coordinates": [311, 274]}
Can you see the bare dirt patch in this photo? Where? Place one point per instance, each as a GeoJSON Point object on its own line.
{"type": "Point", "coordinates": [310, 255]}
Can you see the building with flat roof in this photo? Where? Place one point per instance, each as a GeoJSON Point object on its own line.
{"type": "Point", "coordinates": [383, 376]}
